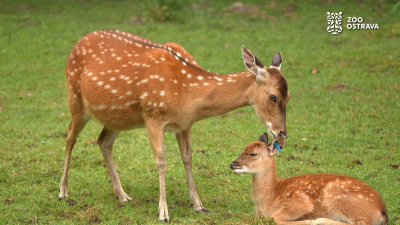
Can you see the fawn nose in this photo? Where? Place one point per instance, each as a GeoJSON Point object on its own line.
{"type": "Point", "coordinates": [233, 165]}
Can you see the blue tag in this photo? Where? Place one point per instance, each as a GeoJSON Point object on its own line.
{"type": "Point", "coordinates": [277, 146]}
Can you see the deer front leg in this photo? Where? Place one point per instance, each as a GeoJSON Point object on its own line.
{"type": "Point", "coordinates": [291, 211]}
{"type": "Point", "coordinates": [106, 141]}
{"type": "Point", "coordinates": [155, 132]}
{"type": "Point", "coordinates": [74, 128]}
{"type": "Point", "coordinates": [329, 221]}
{"type": "Point", "coordinates": [183, 139]}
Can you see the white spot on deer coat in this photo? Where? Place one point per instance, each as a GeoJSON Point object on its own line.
{"type": "Point", "coordinates": [144, 95]}
{"type": "Point", "coordinates": [162, 93]}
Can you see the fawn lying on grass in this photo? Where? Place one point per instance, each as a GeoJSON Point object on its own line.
{"type": "Point", "coordinates": [306, 199]}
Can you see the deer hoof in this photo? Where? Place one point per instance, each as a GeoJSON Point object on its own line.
{"type": "Point", "coordinates": [163, 214]}
{"type": "Point", "coordinates": [63, 193]}
{"type": "Point", "coordinates": [123, 197]}
{"type": "Point", "coordinates": [202, 210]}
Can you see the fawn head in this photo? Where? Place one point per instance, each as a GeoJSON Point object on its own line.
{"type": "Point", "coordinates": [270, 94]}
{"type": "Point", "coordinates": [257, 155]}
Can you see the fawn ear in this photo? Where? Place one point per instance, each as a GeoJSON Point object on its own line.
{"type": "Point", "coordinates": [253, 64]}
{"type": "Point", "coordinates": [276, 61]}
{"type": "Point", "coordinates": [281, 143]}
{"type": "Point", "coordinates": [264, 138]}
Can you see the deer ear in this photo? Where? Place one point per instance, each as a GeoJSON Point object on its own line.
{"type": "Point", "coordinates": [253, 64]}
{"type": "Point", "coordinates": [264, 138]}
{"type": "Point", "coordinates": [272, 149]}
{"type": "Point", "coordinates": [277, 61]}
{"type": "Point", "coordinates": [280, 141]}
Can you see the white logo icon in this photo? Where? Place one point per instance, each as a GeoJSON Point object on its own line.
{"type": "Point", "coordinates": [334, 22]}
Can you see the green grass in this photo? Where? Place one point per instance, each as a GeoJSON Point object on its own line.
{"type": "Point", "coordinates": [342, 119]}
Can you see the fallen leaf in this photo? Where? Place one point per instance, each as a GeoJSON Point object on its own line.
{"type": "Point", "coordinates": [314, 70]}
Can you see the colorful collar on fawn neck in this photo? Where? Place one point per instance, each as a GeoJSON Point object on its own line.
{"type": "Point", "coordinates": [277, 146]}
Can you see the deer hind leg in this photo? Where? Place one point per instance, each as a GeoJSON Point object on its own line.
{"type": "Point", "coordinates": [155, 132]}
{"type": "Point", "coordinates": [106, 141]}
{"type": "Point", "coordinates": [183, 139]}
{"type": "Point", "coordinates": [74, 128]}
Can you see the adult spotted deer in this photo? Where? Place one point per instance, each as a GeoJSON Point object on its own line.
{"type": "Point", "coordinates": [307, 199]}
{"type": "Point", "coordinates": [125, 81]}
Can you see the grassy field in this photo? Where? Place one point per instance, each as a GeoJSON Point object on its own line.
{"type": "Point", "coordinates": [343, 116]}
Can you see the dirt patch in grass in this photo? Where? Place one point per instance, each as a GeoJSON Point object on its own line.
{"type": "Point", "coordinates": [337, 87]}
{"type": "Point", "coordinates": [239, 7]}
{"type": "Point", "coordinates": [71, 202]}
{"type": "Point", "coordinates": [8, 200]}
{"type": "Point", "coordinates": [356, 162]}
{"type": "Point", "coordinates": [395, 166]}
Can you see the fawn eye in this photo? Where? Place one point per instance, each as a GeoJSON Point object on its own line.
{"type": "Point", "coordinates": [253, 154]}
{"type": "Point", "coordinates": [272, 97]}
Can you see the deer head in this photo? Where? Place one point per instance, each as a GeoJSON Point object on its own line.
{"type": "Point", "coordinates": [257, 156]}
{"type": "Point", "coordinates": [270, 95]}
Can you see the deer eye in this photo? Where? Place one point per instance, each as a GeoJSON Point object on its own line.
{"type": "Point", "coordinates": [272, 97]}
{"type": "Point", "coordinates": [253, 154]}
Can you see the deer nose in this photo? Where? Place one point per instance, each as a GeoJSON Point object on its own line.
{"type": "Point", "coordinates": [282, 133]}
{"type": "Point", "coordinates": [233, 165]}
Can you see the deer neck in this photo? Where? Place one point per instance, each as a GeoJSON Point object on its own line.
{"type": "Point", "coordinates": [222, 94]}
{"type": "Point", "coordinates": [264, 186]}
